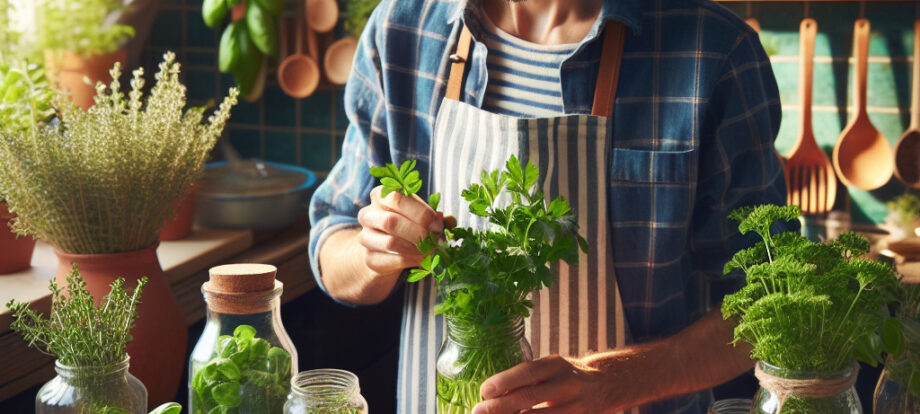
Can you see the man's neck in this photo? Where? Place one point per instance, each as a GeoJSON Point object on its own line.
{"type": "Point", "coordinates": [546, 22]}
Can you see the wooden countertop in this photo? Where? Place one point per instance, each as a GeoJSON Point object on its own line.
{"type": "Point", "coordinates": [186, 263]}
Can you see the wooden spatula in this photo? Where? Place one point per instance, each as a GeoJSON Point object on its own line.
{"type": "Point", "coordinates": [809, 173]}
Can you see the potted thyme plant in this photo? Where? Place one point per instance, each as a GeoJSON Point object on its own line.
{"type": "Point", "coordinates": [79, 38]}
{"type": "Point", "coordinates": [99, 185]}
{"type": "Point", "coordinates": [484, 277]}
{"type": "Point", "coordinates": [810, 310]}
{"type": "Point", "coordinates": [89, 342]}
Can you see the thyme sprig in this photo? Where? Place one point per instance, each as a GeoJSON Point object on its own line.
{"type": "Point", "coordinates": [77, 331]}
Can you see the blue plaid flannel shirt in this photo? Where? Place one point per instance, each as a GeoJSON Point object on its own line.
{"type": "Point", "coordinates": [696, 115]}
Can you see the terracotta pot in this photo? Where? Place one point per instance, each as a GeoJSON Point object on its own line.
{"type": "Point", "coordinates": [17, 251]}
{"type": "Point", "coordinates": [160, 332]}
{"type": "Point", "coordinates": [181, 225]}
{"type": "Point", "coordinates": [67, 69]}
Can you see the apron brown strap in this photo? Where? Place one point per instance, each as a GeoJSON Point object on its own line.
{"type": "Point", "coordinates": [605, 91]}
{"type": "Point", "coordinates": [458, 65]}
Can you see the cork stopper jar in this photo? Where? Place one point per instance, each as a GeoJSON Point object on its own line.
{"type": "Point", "coordinates": [243, 328]}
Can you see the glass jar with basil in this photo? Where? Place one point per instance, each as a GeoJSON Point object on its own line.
{"type": "Point", "coordinates": [244, 359]}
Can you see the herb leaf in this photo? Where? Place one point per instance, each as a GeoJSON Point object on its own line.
{"type": "Point", "coordinates": [404, 179]}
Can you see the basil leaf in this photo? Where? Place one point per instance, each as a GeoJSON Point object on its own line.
{"type": "Point", "coordinates": [213, 12]}
{"type": "Point", "coordinates": [227, 394]}
{"type": "Point", "coordinates": [244, 332]}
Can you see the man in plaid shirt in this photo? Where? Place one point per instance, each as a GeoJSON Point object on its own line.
{"type": "Point", "coordinates": [696, 114]}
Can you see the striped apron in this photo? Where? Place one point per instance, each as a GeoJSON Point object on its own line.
{"type": "Point", "coordinates": [582, 310]}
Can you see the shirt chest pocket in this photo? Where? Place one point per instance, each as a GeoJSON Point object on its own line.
{"type": "Point", "coordinates": [650, 203]}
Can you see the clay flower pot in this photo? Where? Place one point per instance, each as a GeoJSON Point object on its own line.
{"type": "Point", "coordinates": [17, 251]}
{"type": "Point", "coordinates": [160, 334]}
{"type": "Point", "coordinates": [181, 225]}
{"type": "Point", "coordinates": [66, 71]}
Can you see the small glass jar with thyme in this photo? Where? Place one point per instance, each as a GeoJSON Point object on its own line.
{"type": "Point", "coordinates": [92, 390]}
{"type": "Point", "coordinates": [244, 360]}
{"type": "Point", "coordinates": [325, 391]}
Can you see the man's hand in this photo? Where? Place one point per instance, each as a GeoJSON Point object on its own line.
{"type": "Point", "coordinates": [556, 384]}
{"type": "Point", "coordinates": [391, 226]}
{"type": "Point", "coordinates": [603, 383]}
{"type": "Point", "coordinates": [362, 265]}
{"type": "Point", "coordinates": [697, 358]}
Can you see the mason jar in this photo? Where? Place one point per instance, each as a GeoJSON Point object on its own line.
{"type": "Point", "coordinates": [806, 392]}
{"type": "Point", "coordinates": [93, 389]}
{"type": "Point", "coordinates": [892, 396]}
{"type": "Point", "coordinates": [471, 353]}
{"type": "Point", "coordinates": [326, 391]}
{"type": "Point", "coordinates": [244, 359]}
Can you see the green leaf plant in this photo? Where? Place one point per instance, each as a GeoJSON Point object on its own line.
{"type": "Point", "coordinates": [80, 26]}
{"type": "Point", "coordinates": [809, 306]}
{"type": "Point", "coordinates": [484, 276]}
{"type": "Point", "coordinates": [246, 374]}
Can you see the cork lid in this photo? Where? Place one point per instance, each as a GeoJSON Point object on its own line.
{"type": "Point", "coordinates": [241, 288]}
{"type": "Point", "coordinates": [242, 277]}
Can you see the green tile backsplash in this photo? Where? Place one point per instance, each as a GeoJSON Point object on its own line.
{"type": "Point", "coordinates": [306, 132]}
{"type": "Point", "coordinates": [309, 132]}
{"type": "Point", "coordinates": [888, 91]}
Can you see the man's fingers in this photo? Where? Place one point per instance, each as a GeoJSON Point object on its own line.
{"type": "Point", "coordinates": [377, 241]}
{"type": "Point", "coordinates": [564, 408]}
{"type": "Point", "coordinates": [556, 391]}
{"type": "Point", "coordinates": [412, 207]}
{"type": "Point", "coordinates": [392, 223]}
{"type": "Point", "coordinates": [387, 263]}
{"type": "Point", "coordinates": [523, 374]}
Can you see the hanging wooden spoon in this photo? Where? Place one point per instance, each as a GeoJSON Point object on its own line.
{"type": "Point", "coordinates": [907, 149]}
{"type": "Point", "coordinates": [754, 23]}
{"type": "Point", "coordinates": [810, 175]}
{"type": "Point", "coordinates": [322, 15]}
{"type": "Point", "coordinates": [862, 155]}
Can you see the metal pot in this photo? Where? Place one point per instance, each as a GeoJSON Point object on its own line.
{"type": "Point", "coordinates": [253, 194]}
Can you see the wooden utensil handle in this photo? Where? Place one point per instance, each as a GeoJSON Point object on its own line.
{"type": "Point", "coordinates": [808, 31]}
{"type": "Point", "coordinates": [311, 43]}
{"type": "Point", "coordinates": [861, 32]}
{"type": "Point", "coordinates": [915, 86]}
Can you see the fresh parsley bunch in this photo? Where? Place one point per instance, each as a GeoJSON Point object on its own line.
{"type": "Point", "coordinates": [810, 306]}
{"type": "Point", "coordinates": [485, 276]}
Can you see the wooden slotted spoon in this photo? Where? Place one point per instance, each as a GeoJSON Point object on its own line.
{"type": "Point", "coordinates": [907, 149]}
{"type": "Point", "coordinates": [809, 173]}
{"type": "Point", "coordinates": [862, 156]}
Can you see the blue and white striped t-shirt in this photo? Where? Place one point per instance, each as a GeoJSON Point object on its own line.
{"type": "Point", "coordinates": [523, 76]}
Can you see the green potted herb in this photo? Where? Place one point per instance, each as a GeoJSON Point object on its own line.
{"type": "Point", "coordinates": [904, 216]}
{"type": "Point", "coordinates": [484, 277]}
{"type": "Point", "coordinates": [89, 342]}
{"type": "Point", "coordinates": [898, 388]}
{"type": "Point", "coordinates": [25, 100]}
{"type": "Point", "coordinates": [246, 42]}
{"type": "Point", "coordinates": [79, 39]}
{"type": "Point", "coordinates": [98, 187]}
{"type": "Point", "coordinates": [810, 310]}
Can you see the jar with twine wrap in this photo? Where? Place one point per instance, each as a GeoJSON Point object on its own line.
{"type": "Point", "coordinates": [785, 391]}
{"type": "Point", "coordinates": [243, 329]}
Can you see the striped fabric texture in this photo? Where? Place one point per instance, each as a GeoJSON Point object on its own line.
{"type": "Point", "coordinates": [582, 311]}
{"type": "Point", "coordinates": [696, 114]}
{"type": "Point", "coordinates": [523, 77]}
